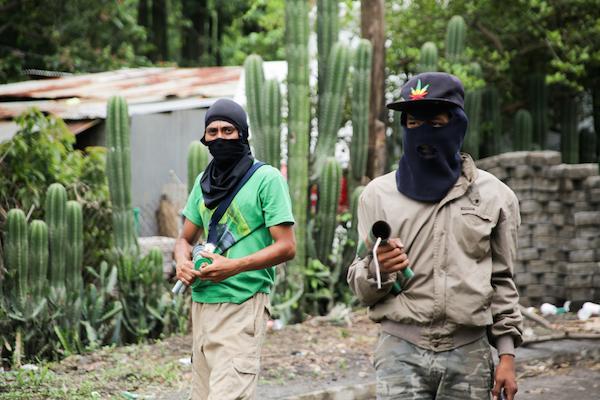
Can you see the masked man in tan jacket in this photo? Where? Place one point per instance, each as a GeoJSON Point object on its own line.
{"type": "Point", "coordinates": [456, 227]}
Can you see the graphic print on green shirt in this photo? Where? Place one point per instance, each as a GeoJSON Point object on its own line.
{"type": "Point", "coordinates": [264, 201]}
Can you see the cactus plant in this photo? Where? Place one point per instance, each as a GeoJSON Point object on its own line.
{"type": "Point", "coordinates": [361, 89]}
{"type": "Point", "coordinates": [428, 58]}
{"type": "Point", "coordinates": [473, 111]}
{"type": "Point", "coordinates": [74, 248]}
{"type": "Point", "coordinates": [332, 104]}
{"type": "Point", "coordinates": [455, 39]}
{"type": "Point", "coordinates": [197, 160]}
{"type": "Point", "coordinates": [327, 36]}
{"type": "Point", "coordinates": [118, 166]}
{"type": "Point", "coordinates": [523, 139]}
{"type": "Point", "coordinates": [271, 106]}
{"type": "Point", "coordinates": [38, 258]}
{"type": "Point", "coordinates": [493, 119]}
{"type": "Point", "coordinates": [16, 249]}
{"type": "Point", "coordinates": [296, 32]}
{"type": "Point", "coordinates": [255, 80]}
{"type": "Point", "coordinates": [587, 146]}
{"type": "Point", "coordinates": [329, 194]}
{"type": "Point", "coordinates": [56, 219]}
{"type": "Point", "coordinates": [569, 139]}
{"type": "Point", "coordinates": [538, 104]}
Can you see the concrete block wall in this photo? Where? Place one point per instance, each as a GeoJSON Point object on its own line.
{"type": "Point", "coordinates": [559, 238]}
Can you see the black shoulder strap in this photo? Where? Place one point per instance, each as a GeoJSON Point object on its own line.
{"type": "Point", "coordinates": [224, 205]}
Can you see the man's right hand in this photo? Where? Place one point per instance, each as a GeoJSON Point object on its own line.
{"type": "Point", "coordinates": [186, 272]}
{"type": "Point", "coordinates": [392, 257]}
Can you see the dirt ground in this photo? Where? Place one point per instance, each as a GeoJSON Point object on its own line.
{"type": "Point", "coordinates": [316, 350]}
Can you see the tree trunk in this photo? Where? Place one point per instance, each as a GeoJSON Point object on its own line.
{"type": "Point", "coordinates": [142, 17]}
{"type": "Point", "coordinates": [159, 29]}
{"type": "Point", "coordinates": [372, 28]}
{"type": "Point", "coordinates": [195, 37]}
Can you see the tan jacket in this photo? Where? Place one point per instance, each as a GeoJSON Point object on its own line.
{"type": "Point", "coordinates": [461, 250]}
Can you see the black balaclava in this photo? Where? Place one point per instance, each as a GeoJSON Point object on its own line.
{"type": "Point", "coordinates": [232, 158]}
{"type": "Point", "coordinates": [429, 175]}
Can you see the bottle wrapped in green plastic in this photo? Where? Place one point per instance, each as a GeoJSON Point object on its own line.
{"type": "Point", "coordinates": [199, 260]}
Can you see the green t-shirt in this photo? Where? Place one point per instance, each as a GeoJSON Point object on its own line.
{"type": "Point", "coordinates": [264, 201]}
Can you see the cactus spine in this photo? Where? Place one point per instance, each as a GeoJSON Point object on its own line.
{"type": "Point", "coordinates": [473, 111]}
{"type": "Point", "coordinates": [255, 81]}
{"type": "Point", "coordinates": [361, 90]}
{"type": "Point", "coordinates": [455, 39]}
{"type": "Point", "coordinates": [74, 247]}
{"type": "Point", "coordinates": [297, 29]}
{"type": "Point", "coordinates": [271, 106]}
{"type": "Point", "coordinates": [428, 58]}
{"type": "Point", "coordinates": [331, 104]}
{"type": "Point", "coordinates": [38, 258]}
{"type": "Point", "coordinates": [327, 36]}
{"type": "Point", "coordinates": [538, 100]}
{"type": "Point", "coordinates": [329, 195]}
{"type": "Point", "coordinates": [523, 139]}
{"type": "Point", "coordinates": [16, 250]}
{"type": "Point", "coordinates": [197, 160]}
{"type": "Point", "coordinates": [569, 140]}
{"type": "Point", "coordinates": [118, 168]}
{"type": "Point", "coordinates": [56, 219]}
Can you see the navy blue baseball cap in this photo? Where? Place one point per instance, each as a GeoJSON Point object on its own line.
{"type": "Point", "coordinates": [430, 89]}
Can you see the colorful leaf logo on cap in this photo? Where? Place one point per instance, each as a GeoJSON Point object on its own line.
{"type": "Point", "coordinates": [419, 92]}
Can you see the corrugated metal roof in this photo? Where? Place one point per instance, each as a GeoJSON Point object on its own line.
{"type": "Point", "coordinates": [84, 96]}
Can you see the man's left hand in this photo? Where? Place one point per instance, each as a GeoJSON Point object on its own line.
{"type": "Point", "coordinates": [505, 378]}
{"type": "Point", "coordinates": [220, 269]}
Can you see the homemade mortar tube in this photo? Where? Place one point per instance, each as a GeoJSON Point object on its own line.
{"type": "Point", "coordinates": [198, 260]}
{"type": "Point", "coordinates": [381, 230]}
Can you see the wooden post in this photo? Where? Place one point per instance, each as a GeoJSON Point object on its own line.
{"type": "Point", "coordinates": [372, 28]}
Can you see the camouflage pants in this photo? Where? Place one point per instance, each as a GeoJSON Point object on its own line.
{"type": "Point", "coordinates": [407, 372]}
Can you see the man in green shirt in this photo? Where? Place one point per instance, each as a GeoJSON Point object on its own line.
{"type": "Point", "coordinates": [230, 304]}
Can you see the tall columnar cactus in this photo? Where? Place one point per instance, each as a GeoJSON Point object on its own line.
{"type": "Point", "coordinates": [56, 219]}
{"type": "Point", "coordinates": [491, 106]}
{"type": "Point", "coordinates": [455, 39]}
{"type": "Point", "coordinates": [327, 36]}
{"type": "Point", "coordinates": [16, 251]}
{"type": "Point", "coordinates": [538, 102]}
{"type": "Point", "coordinates": [118, 167]}
{"type": "Point", "coordinates": [428, 58]}
{"type": "Point", "coordinates": [329, 195]}
{"type": "Point", "coordinates": [38, 258]}
{"type": "Point", "coordinates": [596, 113]}
{"type": "Point", "coordinates": [197, 160]}
{"type": "Point", "coordinates": [255, 81]}
{"type": "Point", "coordinates": [331, 104]}
{"type": "Point", "coordinates": [271, 106]}
{"type": "Point", "coordinates": [587, 146]}
{"type": "Point", "coordinates": [473, 111]}
{"type": "Point", "coordinates": [74, 248]}
{"type": "Point", "coordinates": [523, 139]}
{"type": "Point", "coordinates": [569, 139]}
{"type": "Point", "coordinates": [361, 89]}
{"type": "Point", "coordinates": [296, 32]}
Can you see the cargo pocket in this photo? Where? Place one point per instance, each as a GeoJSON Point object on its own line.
{"type": "Point", "coordinates": [472, 231]}
{"type": "Point", "coordinates": [246, 365]}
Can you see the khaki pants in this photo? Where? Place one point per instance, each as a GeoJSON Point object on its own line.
{"type": "Point", "coordinates": [226, 349]}
{"type": "Point", "coordinates": [407, 372]}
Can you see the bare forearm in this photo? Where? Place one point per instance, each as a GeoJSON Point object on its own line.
{"type": "Point", "coordinates": [277, 253]}
{"type": "Point", "coordinates": [183, 250]}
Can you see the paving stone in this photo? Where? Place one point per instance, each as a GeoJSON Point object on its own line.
{"type": "Point", "coordinates": [587, 218]}
{"type": "Point", "coordinates": [580, 256]}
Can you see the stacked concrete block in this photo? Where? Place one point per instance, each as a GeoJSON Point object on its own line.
{"type": "Point", "coordinates": [558, 257]}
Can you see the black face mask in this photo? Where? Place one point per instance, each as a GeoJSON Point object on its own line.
{"type": "Point", "coordinates": [231, 160]}
{"type": "Point", "coordinates": [431, 163]}
{"type": "Point", "coordinates": [227, 151]}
